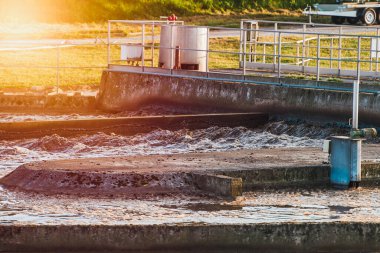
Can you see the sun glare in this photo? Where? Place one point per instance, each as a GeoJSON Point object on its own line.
{"type": "Point", "coordinates": [18, 11]}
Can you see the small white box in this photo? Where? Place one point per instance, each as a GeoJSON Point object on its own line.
{"type": "Point", "coordinates": [326, 146]}
{"type": "Point", "coordinates": [131, 53]}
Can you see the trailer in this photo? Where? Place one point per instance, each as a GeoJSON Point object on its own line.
{"type": "Point", "coordinates": [351, 11]}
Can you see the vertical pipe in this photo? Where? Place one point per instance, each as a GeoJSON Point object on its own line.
{"type": "Point", "coordinates": [143, 47]}
{"type": "Point", "coordinates": [340, 50]}
{"type": "Point", "coordinates": [358, 69]}
{"type": "Point", "coordinates": [171, 50]}
{"type": "Point", "coordinates": [331, 51]}
{"type": "Point", "coordinates": [207, 50]}
{"type": "Point", "coordinates": [377, 49]}
{"type": "Point", "coordinates": [308, 52]}
{"type": "Point", "coordinates": [255, 45]}
{"type": "Point", "coordinates": [57, 69]}
{"type": "Point", "coordinates": [370, 56]}
{"type": "Point", "coordinates": [355, 105]}
{"type": "Point", "coordinates": [264, 53]}
{"type": "Point", "coordinates": [279, 58]}
{"type": "Point", "coordinates": [303, 47]}
{"type": "Point", "coordinates": [318, 56]}
{"type": "Point", "coordinates": [109, 44]}
{"type": "Point", "coordinates": [275, 47]}
{"type": "Point", "coordinates": [298, 54]}
{"type": "Point", "coordinates": [152, 48]}
{"type": "Point", "coordinates": [244, 51]}
{"type": "Point", "coordinates": [241, 40]}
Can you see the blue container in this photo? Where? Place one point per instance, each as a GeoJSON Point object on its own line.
{"type": "Point", "coordinates": [345, 161]}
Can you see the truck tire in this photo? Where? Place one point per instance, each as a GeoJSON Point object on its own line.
{"type": "Point", "coordinates": [338, 20]}
{"type": "Point", "coordinates": [369, 16]}
{"type": "Point", "coordinates": [353, 21]}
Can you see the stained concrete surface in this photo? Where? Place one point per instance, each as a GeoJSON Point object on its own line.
{"type": "Point", "coordinates": [157, 175]}
{"type": "Point", "coordinates": [125, 91]}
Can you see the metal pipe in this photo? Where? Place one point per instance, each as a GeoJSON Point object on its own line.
{"type": "Point", "coordinates": [340, 51]}
{"type": "Point", "coordinates": [331, 51]}
{"type": "Point", "coordinates": [244, 51]}
{"type": "Point", "coordinates": [274, 47]}
{"type": "Point", "coordinates": [143, 47]}
{"type": "Point", "coordinates": [303, 48]}
{"type": "Point", "coordinates": [377, 49]}
{"type": "Point", "coordinates": [171, 49]}
{"type": "Point", "coordinates": [358, 69]}
{"type": "Point", "coordinates": [57, 71]}
{"type": "Point", "coordinates": [279, 58]}
{"type": "Point", "coordinates": [152, 48]}
{"type": "Point", "coordinates": [207, 52]}
{"type": "Point", "coordinates": [109, 43]}
{"type": "Point", "coordinates": [318, 56]}
{"type": "Point", "coordinates": [355, 105]}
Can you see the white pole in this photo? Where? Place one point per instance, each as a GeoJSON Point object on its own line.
{"type": "Point", "coordinates": [109, 44]}
{"type": "Point", "coordinates": [143, 47]}
{"type": "Point", "coordinates": [355, 106]}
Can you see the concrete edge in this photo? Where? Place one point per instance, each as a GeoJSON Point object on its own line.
{"type": "Point", "coordinates": [278, 237]}
{"type": "Point", "coordinates": [229, 187]}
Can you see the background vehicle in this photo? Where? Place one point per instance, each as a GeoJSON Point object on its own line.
{"type": "Point", "coordinates": [351, 11]}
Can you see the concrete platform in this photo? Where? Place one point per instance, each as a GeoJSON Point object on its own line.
{"type": "Point", "coordinates": [221, 173]}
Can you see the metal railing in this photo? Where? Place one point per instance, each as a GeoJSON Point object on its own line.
{"type": "Point", "coordinates": [280, 50]}
{"type": "Point", "coordinates": [303, 49]}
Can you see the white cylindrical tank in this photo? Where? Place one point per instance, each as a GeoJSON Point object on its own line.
{"type": "Point", "coordinates": [168, 39]}
{"type": "Point", "coordinates": [194, 38]}
{"type": "Point", "coordinates": [192, 42]}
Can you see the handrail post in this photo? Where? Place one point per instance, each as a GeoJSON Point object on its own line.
{"type": "Point", "coordinates": [358, 70]}
{"type": "Point", "coordinates": [340, 51]}
{"type": "Point", "coordinates": [109, 44]}
{"type": "Point", "coordinates": [241, 39]}
{"type": "Point", "coordinates": [171, 50]}
{"type": "Point", "coordinates": [303, 47]}
{"type": "Point", "coordinates": [152, 48]}
{"type": "Point", "coordinates": [143, 47]}
{"type": "Point", "coordinates": [207, 51]}
{"type": "Point", "coordinates": [244, 51]}
{"type": "Point", "coordinates": [377, 49]}
{"type": "Point", "coordinates": [279, 58]}
{"type": "Point", "coordinates": [331, 51]}
{"type": "Point", "coordinates": [57, 69]}
{"type": "Point", "coordinates": [318, 56]}
{"type": "Point", "coordinates": [274, 47]}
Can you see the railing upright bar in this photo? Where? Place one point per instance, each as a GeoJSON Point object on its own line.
{"type": "Point", "coordinates": [274, 47]}
{"type": "Point", "coordinates": [279, 58]}
{"type": "Point", "coordinates": [377, 49]}
{"type": "Point", "coordinates": [241, 39]}
{"type": "Point", "coordinates": [207, 51]}
{"type": "Point", "coordinates": [264, 53]}
{"type": "Point", "coordinates": [109, 43]}
{"type": "Point", "coordinates": [143, 47]}
{"type": "Point", "coordinates": [57, 70]}
{"type": "Point", "coordinates": [340, 51]}
{"type": "Point", "coordinates": [303, 47]}
{"type": "Point", "coordinates": [358, 69]}
{"type": "Point", "coordinates": [331, 51]}
{"type": "Point", "coordinates": [152, 49]}
{"type": "Point", "coordinates": [244, 51]}
{"type": "Point", "coordinates": [318, 56]}
{"type": "Point", "coordinates": [171, 50]}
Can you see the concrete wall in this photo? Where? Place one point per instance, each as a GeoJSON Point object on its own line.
{"type": "Point", "coordinates": [122, 90]}
{"type": "Point", "coordinates": [278, 237]}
